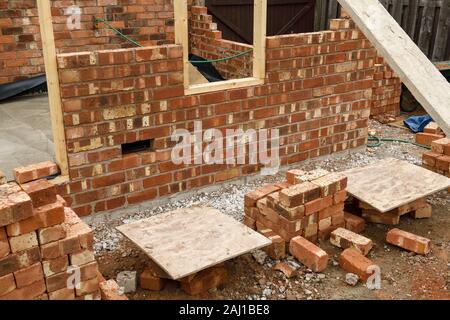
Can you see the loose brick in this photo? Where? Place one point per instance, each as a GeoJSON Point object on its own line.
{"type": "Point", "coordinates": [87, 287]}
{"type": "Point", "coordinates": [422, 213]}
{"type": "Point", "coordinates": [354, 223]}
{"type": "Point", "coordinates": [4, 244]}
{"type": "Point", "coordinates": [149, 281]}
{"type": "Point", "coordinates": [286, 269]}
{"type": "Point", "coordinates": [277, 250]}
{"type": "Point", "coordinates": [28, 257]}
{"type": "Point", "coordinates": [23, 242]}
{"type": "Point", "coordinates": [35, 171]}
{"type": "Point", "coordinates": [9, 264]}
{"type": "Point", "coordinates": [409, 241]}
{"type": "Point", "coordinates": [299, 194]}
{"type": "Point", "coordinates": [443, 163]}
{"type": "Point", "coordinates": [57, 281]}
{"type": "Point", "coordinates": [433, 128]}
{"type": "Point", "coordinates": [81, 258]}
{"type": "Point", "coordinates": [251, 198]}
{"type": "Point", "coordinates": [340, 197]}
{"type": "Point", "coordinates": [429, 158]}
{"type": "Point", "coordinates": [27, 293]}
{"type": "Point", "coordinates": [381, 218]}
{"type": "Point", "coordinates": [354, 262]}
{"type": "Point", "coordinates": [58, 265]}
{"type": "Point", "coordinates": [345, 239]}
{"type": "Point", "coordinates": [204, 280]}
{"type": "Point", "coordinates": [249, 222]}
{"type": "Point", "coordinates": [331, 183]}
{"type": "Point", "coordinates": [309, 254]}
{"type": "Point", "coordinates": [27, 276]}
{"type": "Point", "coordinates": [15, 205]}
{"type": "Point", "coordinates": [427, 138]}
{"type": "Point", "coordinates": [309, 176]}
{"type": "Point", "coordinates": [7, 284]}
{"type": "Point", "coordinates": [292, 174]}
{"type": "Point", "coordinates": [110, 291]}
{"type": "Point", "coordinates": [62, 294]}
{"type": "Point", "coordinates": [51, 234]}
{"type": "Point", "coordinates": [41, 192]}
{"type": "Point", "coordinates": [438, 146]}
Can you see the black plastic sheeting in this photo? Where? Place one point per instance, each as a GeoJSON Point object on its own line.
{"type": "Point", "coordinates": [206, 69]}
{"type": "Point", "coordinates": [23, 87]}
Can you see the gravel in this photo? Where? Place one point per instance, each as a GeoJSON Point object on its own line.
{"type": "Point", "coordinates": [229, 199]}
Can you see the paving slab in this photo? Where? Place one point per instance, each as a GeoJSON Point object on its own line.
{"type": "Point", "coordinates": [186, 241]}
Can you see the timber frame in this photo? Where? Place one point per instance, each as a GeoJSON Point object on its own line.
{"type": "Point", "coordinates": [54, 96]}
{"type": "Point", "coordinates": [259, 50]}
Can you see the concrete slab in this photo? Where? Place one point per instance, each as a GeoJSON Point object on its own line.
{"type": "Point", "coordinates": [186, 241]}
{"type": "Point", "coordinates": [391, 183]}
{"type": "Point", "coordinates": [25, 132]}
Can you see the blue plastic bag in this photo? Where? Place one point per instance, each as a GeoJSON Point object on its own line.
{"type": "Point", "coordinates": [418, 123]}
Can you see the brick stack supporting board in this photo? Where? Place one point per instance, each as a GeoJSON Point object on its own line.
{"type": "Point", "coordinates": [438, 159]}
{"type": "Point", "coordinates": [310, 204]}
{"type": "Point", "coordinates": [40, 240]}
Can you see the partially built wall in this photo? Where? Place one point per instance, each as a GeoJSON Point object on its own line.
{"type": "Point", "coordinates": [318, 91]}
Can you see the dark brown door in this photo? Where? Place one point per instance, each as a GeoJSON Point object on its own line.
{"type": "Point", "coordinates": [235, 17]}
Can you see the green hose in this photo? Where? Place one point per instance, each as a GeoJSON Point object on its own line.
{"type": "Point", "coordinates": [378, 142]}
{"type": "Point", "coordinates": [118, 32]}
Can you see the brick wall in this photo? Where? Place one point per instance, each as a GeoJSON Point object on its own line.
{"type": "Point", "coordinates": [317, 92]}
{"type": "Point", "coordinates": [149, 22]}
{"type": "Point", "coordinates": [387, 89]}
{"type": "Point", "coordinates": [206, 41]}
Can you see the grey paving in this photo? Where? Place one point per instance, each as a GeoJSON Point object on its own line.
{"type": "Point", "coordinates": [25, 132]}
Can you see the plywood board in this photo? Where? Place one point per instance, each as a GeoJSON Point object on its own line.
{"type": "Point", "coordinates": [186, 241]}
{"type": "Point", "coordinates": [425, 82]}
{"type": "Point", "coordinates": [391, 183]}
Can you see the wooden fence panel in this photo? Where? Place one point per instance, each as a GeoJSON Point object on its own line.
{"type": "Point", "coordinates": [426, 21]}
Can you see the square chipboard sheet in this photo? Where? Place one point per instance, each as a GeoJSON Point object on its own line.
{"type": "Point", "coordinates": [391, 183]}
{"type": "Point", "coordinates": [186, 241]}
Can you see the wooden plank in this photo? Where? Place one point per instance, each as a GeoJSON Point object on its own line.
{"type": "Point", "coordinates": [412, 17]}
{"type": "Point", "coordinates": [223, 85]}
{"type": "Point", "coordinates": [195, 76]}
{"type": "Point", "coordinates": [391, 183]}
{"type": "Point", "coordinates": [426, 30]}
{"type": "Point", "coordinates": [423, 80]}
{"type": "Point", "coordinates": [259, 39]}
{"type": "Point", "coordinates": [182, 35]}
{"type": "Point", "coordinates": [54, 95]}
{"type": "Point", "coordinates": [186, 241]}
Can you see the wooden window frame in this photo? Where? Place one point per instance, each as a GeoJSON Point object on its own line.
{"type": "Point", "coordinates": [259, 50]}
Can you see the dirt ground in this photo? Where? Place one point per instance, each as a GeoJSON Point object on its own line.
{"type": "Point", "coordinates": [404, 275]}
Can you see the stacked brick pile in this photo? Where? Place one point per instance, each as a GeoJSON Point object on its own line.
{"type": "Point", "coordinates": [418, 209]}
{"type": "Point", "coordinates": [431, 132]}
{"type": "Point", "coordinates": [387, 89]}
{"type": "Point", "coordinates": [310, 204]}
{"type": "Point", "coordinates": [438, 159]}
{"type": "Point", "coordinates": [41, 240]}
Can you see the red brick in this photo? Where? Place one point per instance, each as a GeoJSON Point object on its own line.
{"type": "Point", "coordinates": [4, 244]}
{"type": "Point", "coordinates": [87, 287]}
{"type": "Point", "coordinates": [35, 172]}
{"type": "Point", "coordinates": [251, 198]}
{"type": "Point", "coordinates": [345, 239]}
{"type": "Point", "coordinates": [299, 194]}
{"type": "Point", "coordinates": [15, 205]}
{"type": "Point", "coordinates": [27, 276]}
{"type": "Point", "coordinates": [439, 145]}
{"type": "Point", "coordinates": [41, 192]}
{"type": "Point", "coordinates": [27, 293]}
{"type": "Point", "coordinates": [51, 234]}
{"type": "Point", "coordinates": [286, 269]}
{"type": "Point", "coordinates": [427, 138]}
{"type": "Point", "coordinates": [110, 291]}
{"type": "Point", "coordinates": [149, 281]}
{"type": "Point", "coordinates": [429, 158]}
{"type": "Point", "coordinates": [291, 175]}
{"type": "Point", "coordinates": [23, 242]}
{"type": "Point", "coordinates": [309, 254]}
{"type": "Point", "coordinates": [204, 280]}
{"type": "Point", "coordinates": [354, 262]}
{"type": "Point", "coordinates": [277, 250]}
{"type": "Point", "coordinates": [53, 266]}
{"type": "Point", "coordinates": [62, 294]}
{"type": "Point", "coordinates": [443, 163]}
{"type": "Point", "coordinates": [354, 223]}
{"type": "Point", "coordinates": [422, 213]}
{"type": "Point", "coordinates": [409, 241]}
{"type": "Point", "coordinates": [7, 284]}
{"type": "Point", "coordinates": [381, 218]}
{"type": "Point", "coordinates": [340, 196]}
{"type": "Point", "coordinates": [331, 183]}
